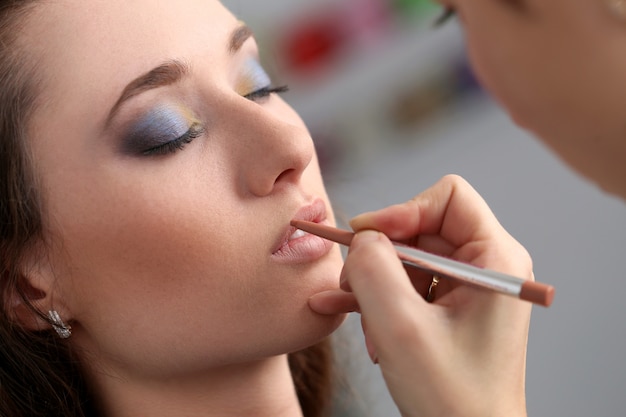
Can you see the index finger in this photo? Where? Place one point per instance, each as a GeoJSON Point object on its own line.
{"type": "Point", "coordinates": [451, 209]}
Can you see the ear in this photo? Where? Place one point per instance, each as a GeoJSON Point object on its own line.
{"type": "Point", "coordinates": [34, 294]}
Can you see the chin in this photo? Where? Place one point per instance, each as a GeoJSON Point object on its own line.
{"type": "Point", "coordinates": [324, 327]}
{"type": "Point", "coordinates": [311, 327]}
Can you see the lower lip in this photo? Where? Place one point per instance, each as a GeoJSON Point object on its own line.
{"type": "Point", "coordinates": [307, 248]}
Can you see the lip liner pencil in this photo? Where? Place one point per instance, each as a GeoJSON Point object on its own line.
{"type": "Point", "coordinates": [535, 292]}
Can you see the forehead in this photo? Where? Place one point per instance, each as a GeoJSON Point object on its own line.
{"type": "Point", "coordinates": [121, 25]}
{"type": "Point", "coordinates": [100, 45]}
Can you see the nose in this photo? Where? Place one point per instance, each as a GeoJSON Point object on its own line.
{"type": "Point", "coordinates": [274, 147]}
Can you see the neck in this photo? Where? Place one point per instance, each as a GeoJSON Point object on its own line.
{"type": "Point", "coordinates": [263, 388]}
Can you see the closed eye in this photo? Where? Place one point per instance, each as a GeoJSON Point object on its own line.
{"type": "Point", "coordinates": [264, 92]}
{"type": "Point", "coordinates": [172, 146]}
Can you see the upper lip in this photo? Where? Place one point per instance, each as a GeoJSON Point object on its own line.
{"type": "Point", "coordinates": [314, 212]}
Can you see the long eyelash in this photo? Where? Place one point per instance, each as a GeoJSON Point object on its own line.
{"type": "Point", "coordinates": [177, 144]}
{"type": "Point", "coordinates": [266, 91]}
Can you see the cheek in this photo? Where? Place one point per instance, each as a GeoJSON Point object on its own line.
{"type": "Point", "coordinates": [494, 64]}
{"type": "Point", "coordinates": [152, 265]}
{"type": "Point", "coordinates": [143, 268]}
{"type": "Point", "coordinates": [226, 307]}
{"type": "Point", "coordinates": [138, 236]}
{"type": "Point", "coordinates": [508, 56]}
{"type": "Point", "coordinates": [529, 59]}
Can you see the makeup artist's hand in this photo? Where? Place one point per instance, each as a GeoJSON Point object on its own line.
{"type": "Point", "coordinates": [464, 353]}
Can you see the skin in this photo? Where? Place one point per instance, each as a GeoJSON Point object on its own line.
{"type": "Point", "coordinates": [557, 67]}
{"type": "Point", "coordinates": [163, 264]}
{"type": "Point", "coordinates": [447, 356]}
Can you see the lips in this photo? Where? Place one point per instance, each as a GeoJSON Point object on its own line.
{"type": "Point", "coordinates": [298, 246]}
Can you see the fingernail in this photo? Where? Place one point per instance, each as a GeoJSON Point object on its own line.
{"type": "Point", "coordinates": [358, 221]}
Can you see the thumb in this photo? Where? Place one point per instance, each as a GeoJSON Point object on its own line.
{"type": "Point", "coordinates": [384, 292]}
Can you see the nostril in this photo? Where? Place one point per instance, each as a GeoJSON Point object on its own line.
{"type": "Point", "coordinates": [285, 174]}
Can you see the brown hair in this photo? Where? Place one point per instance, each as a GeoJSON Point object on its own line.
{"type": "Point", "coordinates": [39, 373]}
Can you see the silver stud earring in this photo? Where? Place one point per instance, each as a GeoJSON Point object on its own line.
{"type": "Point", "coordinates": [63, 330]}
{"type": "Point", "coordinates": [617, 8]}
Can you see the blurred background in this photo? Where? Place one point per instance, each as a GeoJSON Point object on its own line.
{"type": "Point", "coordinates": [392, 106]}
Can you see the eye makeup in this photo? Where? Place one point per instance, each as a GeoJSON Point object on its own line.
{"type": "Point", "coordinates": [167, 128]}
{"type": "Point", "coordinates": [255, 84]}
{"type": "Point", "coordinates": [253, 78]}
{"type": "Point", "coordinates": [163, 129]}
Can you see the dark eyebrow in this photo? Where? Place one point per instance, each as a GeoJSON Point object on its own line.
{"type": "Point", "coordinates": [171, 72]}
{"type": "Point", "coordinates": [238, 38]}
{"type": "Point", "coordinates": [165, 74]}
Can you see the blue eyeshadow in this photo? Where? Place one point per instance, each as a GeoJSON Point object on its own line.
{"type": "Point", "coordinates": [159, 126]}
{"type": "Point", "coordinates": [258, 76]}
{"type": "Point", "coordinates": [255, 77]}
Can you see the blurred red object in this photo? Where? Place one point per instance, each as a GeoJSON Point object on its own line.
{"type": "Point", "coordinates": [313, 41]}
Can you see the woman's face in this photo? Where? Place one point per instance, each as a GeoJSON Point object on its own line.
{"type": "Point", "coordinates": [558, 67]}
{"type": "Point", "coordinates": [169, 178]}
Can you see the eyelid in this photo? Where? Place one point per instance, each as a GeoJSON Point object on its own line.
{"type": "Point", "coordinates": [266, 91]}
{"type": "Point", "coordinates": [196, 130]}
{"type": "Point", "coordinates": [253, 77]}
{"type": "Point", "coordinates": [157, 127]}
